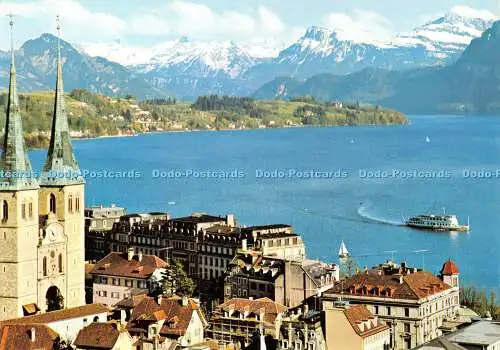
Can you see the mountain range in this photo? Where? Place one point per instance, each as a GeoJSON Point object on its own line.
{"type": "Point", "coordinates": [470, 85]}
{"type": "Point", "coordinates": [189, 69]}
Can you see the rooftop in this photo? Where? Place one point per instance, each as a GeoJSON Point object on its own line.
{"type": "Point", "coordinates": [449, 268]}
{"type": "Point", "coordinates": [118, 264]}
{"type": "Point", "coordinates": [60, 315]}
{"type": "Point", "coordinates": [19, 336]}
{"type": "Point", "coordinates": [482, 333]}
{"type": "Point", "coordinates": [98, 336]}
{"type": "Point", "coordinates": [177, 315]}
{"type": "Point", "coordinates": [411, 286]}
{"type": "Point", "coordinates": [199, 219]}
{"type": "Point", "coordinates": [267, 227]}
{"type": "Point", "coordinates": [257, 306]}
{"type": "Point", "coordinates": [362, 321]}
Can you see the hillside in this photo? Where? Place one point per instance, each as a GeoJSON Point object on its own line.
{"type": "Point", "coordinates": [92, 115]}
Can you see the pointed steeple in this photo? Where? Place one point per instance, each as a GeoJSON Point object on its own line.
{"type": "Point", "coordinates": [15, 168]}
{"type": "Point", "coordinates": [60, 167]}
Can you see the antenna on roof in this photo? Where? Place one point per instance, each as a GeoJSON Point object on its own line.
{"type": "Point", "coordinates": [422, 251]}
{"type": "Point", "coordinates": [392, 253]}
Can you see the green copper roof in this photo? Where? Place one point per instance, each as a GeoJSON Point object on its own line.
{"type": "Point", "coordinates": [15, 168]}
{"type": "Point", "coordinates": [60, 168]}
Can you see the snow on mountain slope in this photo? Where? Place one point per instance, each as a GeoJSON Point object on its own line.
{"type": "Point", "coordinates": [449, 34]}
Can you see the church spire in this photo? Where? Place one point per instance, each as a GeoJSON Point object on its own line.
{"type": "Point", "coordinates": [60, 167]}
{"type": "Point", "coordinates": [15, 168]}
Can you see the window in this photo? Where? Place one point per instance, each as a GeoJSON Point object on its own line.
{"type": "Point", "coordinates": [70, 203]}
{"type": "Point", "coordinates": [407, 312]}
{"type": "Point", "coordinates": [44, 266]}
{"type": "Point", "coordinates": [52, 203]}
{"type": "Point", "coordinates": [77, 204]}
{"type": "Point", "coordinates": [5, 211]}
{"type": "Point", "coordinates": [60, 262]}
{"type": "Point", "coordinates": [375, 308]}
{"type": "Point", "coordinates": [389, 310]}
{"type": "Point", "coordinates": [30, 209]}
{"type": "Point", "coordinates": [407, 327]}
{"type": "Point", "coordinates": [23, 210]}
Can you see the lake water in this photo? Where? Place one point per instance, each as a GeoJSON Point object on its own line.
{"type": "Point", "coordinates": [362, 211]}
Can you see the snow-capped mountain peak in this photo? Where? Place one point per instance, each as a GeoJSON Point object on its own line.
{"type": "Point", "coordinates": [468, 12]}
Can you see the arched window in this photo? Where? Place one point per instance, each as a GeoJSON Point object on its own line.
{"type": "Point", "coordinates": [5, 211]}
{"type": "Point", "coordinates": [52, 203]}
{"type": "Point", "coordinates": [60, 263]}
{"type": "Point", "coordinates": [30, 209]}
{"type": "Point", "coordinates": [70, 204]}
{"type": "Point", "coordinates": [23, 210]}
{"type": "Point", "coordinates": [44, 266]}
{"type": "Point", "coordinates": [77, 204]}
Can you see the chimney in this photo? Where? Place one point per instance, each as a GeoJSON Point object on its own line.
{"type": "Point", "coordinates": [184, 301]}
{"type": "Point", "coordinates": [379, 272]}
{"type": "Point", "coordinates": [130, 255]}
{"type": "Point", "coordinates": [159, 298]}
{"type": "Point", "coordinates": [366, 270]}
{"type": "Point", "coordinates": [140, 255]}
{"type": "Point", "coordinates": [32, 334]}
{"type": "Point", "coordinates": [244, 244]}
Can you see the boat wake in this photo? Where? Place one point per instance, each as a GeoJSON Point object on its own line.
{"type": "Point", "coordinates": [365, 214]}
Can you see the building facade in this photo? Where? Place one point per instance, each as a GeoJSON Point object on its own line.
{"type": "Point", "coordinates": [120, 275]}
{"type": "Point", "coordinates": [413, 303]}
{"type": "Point", "coordinates": [288, 282]}
{"type": "Point", "coordinates": [355, 328]}
{"type": "Point", "coordinates": [238, 320]}
{"type": "Point", "coordinates": [99, 222]}
{"type": "Point", "coordinates": [42, 222]}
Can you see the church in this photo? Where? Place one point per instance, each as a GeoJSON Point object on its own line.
{"type": "Point", "coordinates": [41, 215]}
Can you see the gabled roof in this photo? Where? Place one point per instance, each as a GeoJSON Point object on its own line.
{"type": "Point", "coordinates": [19, 336]}
{"type": "Point", "coordinates": [449, 268]}
{"type": "Point", "coordinates": [117, 264]}
{"type": "Point", "coordinates": [98, 336]}
{"type": "Point", "coordinates": [414, 286]}
{"type": "Point", "coordinates": [359, 316]}
{"type": "Point", "coordinates": [171, 310]}
{"type": "Point", "coordinates": [60, 315]}
{"type": "Point", "coordinates": [268, 307]}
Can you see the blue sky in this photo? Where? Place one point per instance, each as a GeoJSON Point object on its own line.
{"type": "Point", "coordinates": [148, 22]}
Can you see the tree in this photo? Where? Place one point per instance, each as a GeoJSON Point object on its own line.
{"type": "Point", "coordinates": [176, 281]}
{"type": "Point", "coordinates": [348, 267]}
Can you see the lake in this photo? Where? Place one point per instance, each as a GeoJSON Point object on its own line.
{"type": "Point", "coordinates": [350, 183]}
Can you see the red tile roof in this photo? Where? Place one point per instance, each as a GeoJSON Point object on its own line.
{"type": "Point", "coordinates": [176, 316]}
{"type": "Point", "coordinates": [117, 264]}
{"type": "Point", "coordinates": [267, 306]}
{"type": "Point", "coordinates": [98, 336]}
{"type": "Point", "coordinates": [18, 337]}
{"type": "Point", "coordinates": [415, 286]}
{"type": "Point", "coordinates": [449, 268]}
{"type": "Point", "coordinates": [60, 315]}
{"type": "Point", "coordinates": [359, 314]}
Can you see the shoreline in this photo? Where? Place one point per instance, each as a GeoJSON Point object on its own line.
{"type": "Point", "coordinates": [239, 129]}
